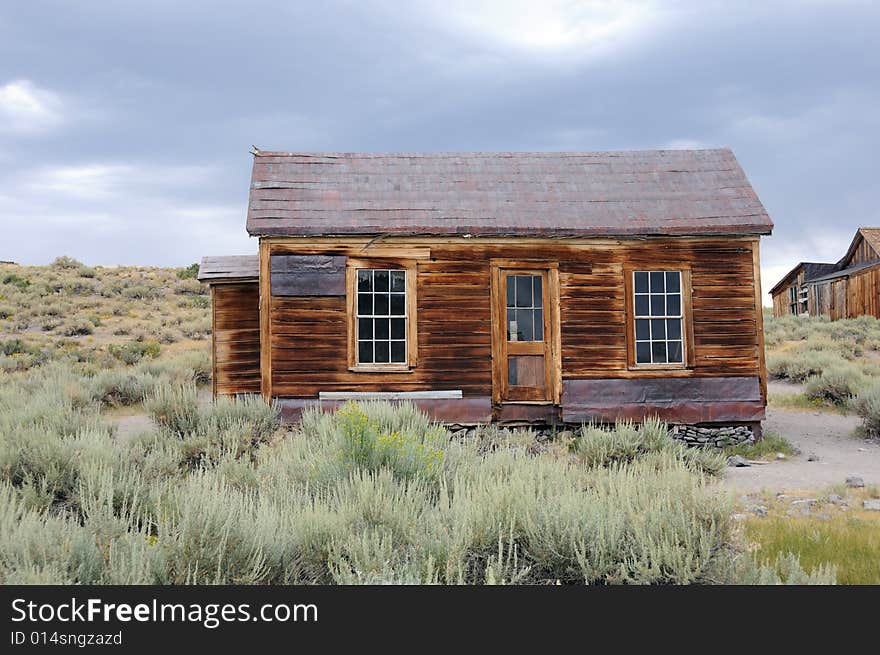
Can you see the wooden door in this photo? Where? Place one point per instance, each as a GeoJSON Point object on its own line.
{"type": "Point", "coordinates": [525, 364]}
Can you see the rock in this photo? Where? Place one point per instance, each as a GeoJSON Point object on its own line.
{"type": "Point", "coordinates": [835, 498]}
{"type": "Point", "coordinates": [855, 482]}
{"type": "Point", "coordinates": [759, 510]}
{"type": "Point", "coordinates": [780, 455]}
{"type": "Point", "coordinates": [872, 504]}
{"type": "Point", "coordinates": [737, 460]}
{"type": "Point", "coordinates": [740, 517]}
{"type": "Point", "coordinates": [812, 457]}
{"type": "Point", "coordinates": [805, 501]}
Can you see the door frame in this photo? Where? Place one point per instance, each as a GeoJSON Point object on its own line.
{"type": "Point", "coordinates": [552, 331]}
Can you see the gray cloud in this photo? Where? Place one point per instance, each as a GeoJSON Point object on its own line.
{"type": "Point", "coordinates": [124, 127]}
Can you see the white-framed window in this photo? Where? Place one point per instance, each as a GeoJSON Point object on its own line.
{"type": "Point", "coordinates": [381, 316]}
{"type": "Point", "coordinates": [658, 315]}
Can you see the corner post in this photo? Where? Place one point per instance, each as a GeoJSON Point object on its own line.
{"type": "Point", "coordinates": [759, 316]}
{"type": "Point", "coordinates": [265, 321]}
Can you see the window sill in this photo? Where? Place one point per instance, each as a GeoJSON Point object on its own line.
{"type": "Point", "coordinates": [660, 368]}
{"type": "Point", "coordinates": [381, 368]}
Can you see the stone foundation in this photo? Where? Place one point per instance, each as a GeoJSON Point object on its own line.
{"type": "Point", "coordinates": [691, 435]}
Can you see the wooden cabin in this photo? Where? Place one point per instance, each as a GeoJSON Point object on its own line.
{"type": "Point", "coordinates": [846, 289]}
{"type": "Point", "coordinates": [509, 287]}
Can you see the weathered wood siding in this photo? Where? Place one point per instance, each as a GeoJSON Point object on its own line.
{"type": "Point", "coordinates": [309, 338]}
{"type": "Point", "coordinates": [308, 335]}
{"type": "Point", "coordinates": [863, 294]}
{"type": "Point", "coordinates": [236, 337]}
{"type": "Point", "coordinates": [822, 298]}
{"type": "Point", "coordinates": [782, 300]}
{"type": "Point", "coordinates": [838, 299]}
{"type": "Point", "coordinates": [862, 254]}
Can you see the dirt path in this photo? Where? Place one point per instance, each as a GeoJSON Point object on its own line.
{"type": "Point", "coordinates": [131, 425]}
{"type": "Point", "coordinates": [827, 436]}
{"type": "Point", "coordinates": [133, 421]}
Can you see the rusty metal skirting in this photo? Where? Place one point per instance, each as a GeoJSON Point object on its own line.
{"type": "Point", "coordinates": [678, 400]}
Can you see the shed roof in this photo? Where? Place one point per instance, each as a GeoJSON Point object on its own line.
{"type": "Point", "coordinates": [846, 271]}
{"type": "Point", "coordinates": [231, 267]}
{"type": "Point", "coordinates": [627, 193]}
{"type": "Point", "coordinates": [812, 270]}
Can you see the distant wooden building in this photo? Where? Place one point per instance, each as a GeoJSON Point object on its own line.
{"type": "Point", "coordinates": [846, 289]}
{"type": "Point", "coordinates": [511, 287]}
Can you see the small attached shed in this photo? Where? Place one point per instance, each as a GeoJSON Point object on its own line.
{"type": "Point", "coordinates": [235, 322]}
{"type": "Point", "coordinates": [508, 287]}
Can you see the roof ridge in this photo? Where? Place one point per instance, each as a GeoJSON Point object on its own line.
{"type": "Point", "coordinates": [257, 152]}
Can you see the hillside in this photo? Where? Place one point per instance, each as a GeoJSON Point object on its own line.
{"type": "Point", "coordinates": [99, 317]}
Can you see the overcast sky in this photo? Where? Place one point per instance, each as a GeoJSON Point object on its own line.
{"type": "Point", "coordinates": [125, 126]}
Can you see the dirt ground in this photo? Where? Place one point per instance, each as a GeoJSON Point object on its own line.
{"type": "Point", "coordinates": [828, 437]}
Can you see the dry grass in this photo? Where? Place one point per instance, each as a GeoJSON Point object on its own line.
{"type": "Point", "coordinates": [842, 535]}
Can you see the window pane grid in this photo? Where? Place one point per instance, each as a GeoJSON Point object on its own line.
{"type": "Point", "coordinates": [658, 317]}
{"type": "Point", "coordinates": [525, 308]}
{"type": "Point", "coordinates": [381, 317]}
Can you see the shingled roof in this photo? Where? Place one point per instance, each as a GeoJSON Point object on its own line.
{"type": "Point", "coordinates": [652, 192]}
{"type": "Point", "coordinates": [812, 271]}
{"type": "Point", "coordinates": [229, 267]}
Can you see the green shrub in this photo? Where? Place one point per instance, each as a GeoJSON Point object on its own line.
{"type": "Point", "coordinates": [837, 385]}
{"type": "Point", "coordinates": [77, 287]}
{"type": "Point", "coordinates": [867, 405]}
{"type": "Point", "coordinates": [77, 327]}
{"type": "Point", "coordinates": [196, 329]}
{"type": "Point", "coordinates": [50, 323]}
{"type": "Point", "coordinates": [600, 447]}
{"type": "Point", "coordinates": [117, 388]}
{"type": "Point", "coordinates": [134, 351]}
{"type": "Point", "coordinates": [13, 347]}
{"type": "Point", "coordinates": [16, 281]}
{"type": "Point", "coordinates": [139, 292]}
{"type": "Point", "coordinates": [769, 444]}
{"type": "Point", "coordinates": [191, 367]}
{"type": "Point", "coordinates": [68, 263]}
{"type": "Point", "coordinates": [175, 408]}
{"type": "Point", "coordinates": [191, 272]}
{"type": "Point", "coordinates": [250, 414]}
{"type": "Point", "coordinates": [799, 366]}
{"type": "Point", "coordinates": [191, 287]}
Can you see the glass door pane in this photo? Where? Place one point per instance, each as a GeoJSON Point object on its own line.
{"type": "Point", "coordinates": [525, 357]}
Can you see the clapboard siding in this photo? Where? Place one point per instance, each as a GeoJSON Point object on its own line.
{"type": "Point", "coordinates": [236, 338]}
{"type": "Point", "coordinates": [309, 335]}
{"type": "Point", "coordinates": [309, 339]}
{"type": "Point", "coordinates": [863, 294]}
